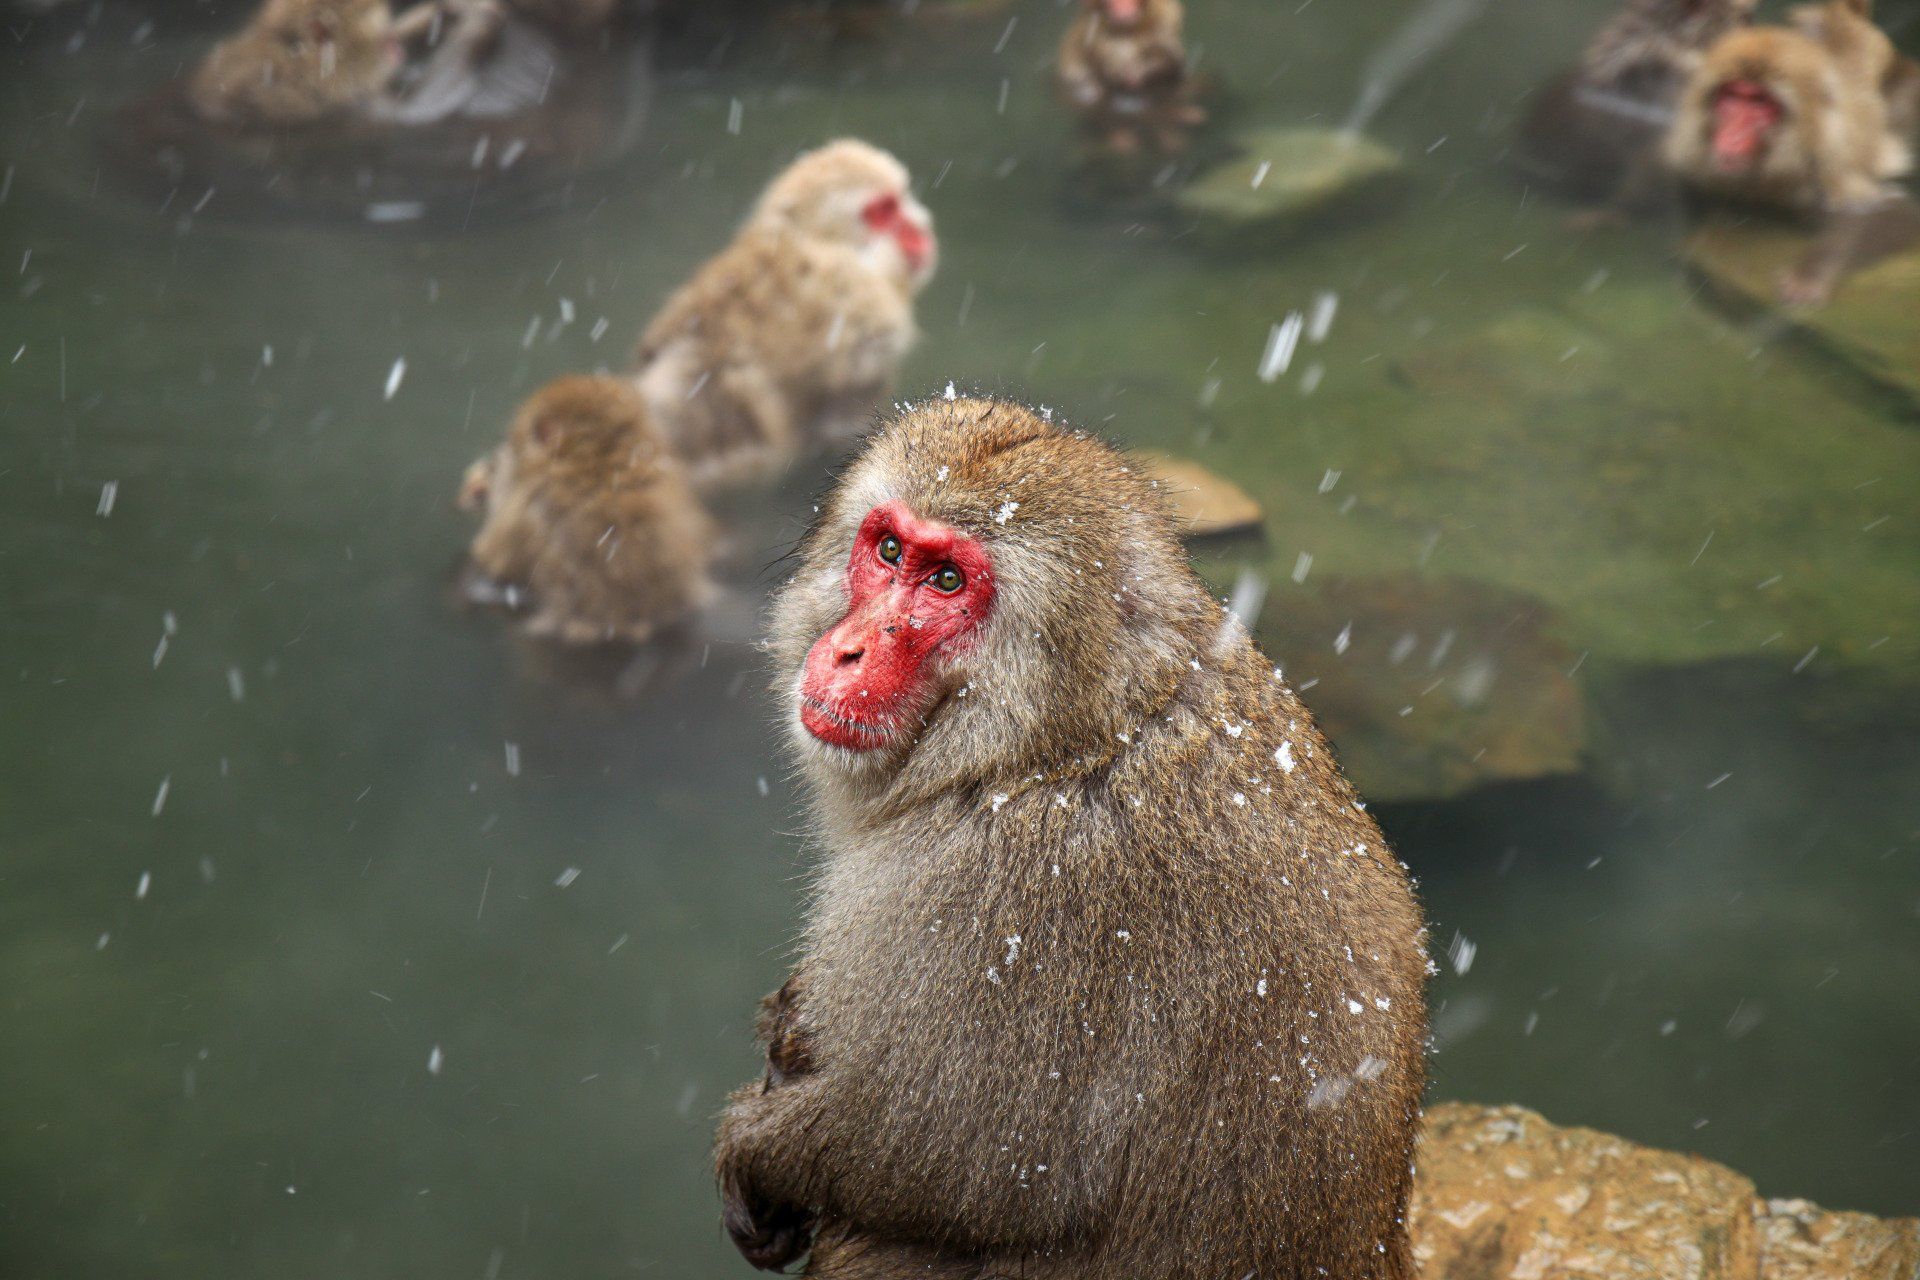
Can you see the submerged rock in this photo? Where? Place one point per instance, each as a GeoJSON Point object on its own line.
{"type": "Point", "coordinates": [1207, 504]}
{"type": "Point", "coordinates": [1869, 320]}
{"type": "Point", "coordinates": [1502, 1193]}
{"type": "Point", "coordinates": [1286, 178]}
{"type": "Point", "coordinates": [1429, 688]}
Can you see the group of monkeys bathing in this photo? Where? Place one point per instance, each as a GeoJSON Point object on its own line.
{"type": "Point", "coordinates": [1108, 970]}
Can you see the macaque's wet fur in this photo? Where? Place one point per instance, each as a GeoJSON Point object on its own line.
{"type": "Point", "coordinates": [789, 338]}
{"type": "Point", "coordinates": [1107, 972]}
{"type": "Point", "coordinates": [305, 62]}
{"type": "Point", "coordinates": [1126, 73]}
{"type": "Point", "coordinates": [1599, 126]}
{"type": "Point", "coordinates": [298, 61]}
{"type": "Point", "coordinates": [590, 527]}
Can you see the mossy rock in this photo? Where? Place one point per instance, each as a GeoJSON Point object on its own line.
{"type": "Point", "coordinates": [1868, 323]}
{"type": "Point", "coordinates": [1430, 687]}
{"type": "Point", "coordinates": [1287, 178]}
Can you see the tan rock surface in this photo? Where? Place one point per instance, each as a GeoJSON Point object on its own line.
{"type": "Point", "coordinates": [1207, 504]}
{"type": "Point", "coordinates": [1502, 1194]}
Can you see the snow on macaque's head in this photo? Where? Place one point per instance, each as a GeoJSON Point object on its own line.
{"type": "Point", "coordinates": [1745, 115]}
{"type": "Point", "coordinates": [855, 194]}
{"type": "Point", "coordinates": [917, 593]}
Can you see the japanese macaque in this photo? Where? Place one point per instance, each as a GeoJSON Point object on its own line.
{"type": "Point", "coordinates": [298, 61]}
{"type": "Point", "coordinates": [1108, 972]}
{"type": "Point", "coordinates": [1599, 125]}
{"type": "Point", "coordinates": [590, 529]}
{"type": "Point", "coordinates": [1798, 118]}
{"type": "Point", "coordinates": [1123, 65]}
{"type": "Point", "coordinates": [302, 62]}
{"type": "Point", "coordinates": [790, 337]}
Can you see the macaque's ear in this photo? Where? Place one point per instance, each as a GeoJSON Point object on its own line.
{"type": "Point", "coordinates": [320, 31]}
{"type": "Point", "coordinates": [1862, 7]}
{"type": "Point", "coordinates": [548, 430]}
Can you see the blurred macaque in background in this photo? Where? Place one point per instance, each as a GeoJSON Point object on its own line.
{"type": "Point", "coordinates": [1599, 125]}
{"type": "Point", "coordinates": [1123, 66]}
{"type": "Point", "coordinates": [1799, 119]}
{"type": "Point", "coordinates": [788, 340]}
{"type": "Point", "coordinates": [589, 528]}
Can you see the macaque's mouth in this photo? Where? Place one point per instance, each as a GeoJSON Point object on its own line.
{"type": "Point", "coordinates": [844, 731]}
{"type": "Point", "coordinates": [1745, 113]}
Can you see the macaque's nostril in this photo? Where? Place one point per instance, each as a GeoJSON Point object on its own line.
{"type": "Point", "coordinates": [850, 656]}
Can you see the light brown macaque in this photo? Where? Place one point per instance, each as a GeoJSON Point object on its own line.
{"type": "Point", "coordinates": [1599, 125]}
{"type": "Point", "coordinates": [1797, 118]}
{"type": "Point", "coordinates": [1123, 66]}
{"type": "Point", "coordinates": [299, 61]}
{"type": "Point", "coordinates": [1108, 972]}
{"type": "Point", "coordinates": [304, 62]}
{"type": "Point", "coordinates": [789, 339]}
{"type": "Point", "coordinates": [590, 529]}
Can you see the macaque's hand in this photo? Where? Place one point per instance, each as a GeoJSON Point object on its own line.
{"type": "Point", "coordinates": [767, 1235]}
{"type": "Point", "coordinates": [789, 1046]}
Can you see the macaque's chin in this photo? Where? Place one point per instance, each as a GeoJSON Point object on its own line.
{"type": "Point", "coordinates": [1745, 113]}
{"type": "Point", "coordinates": [849, 733]}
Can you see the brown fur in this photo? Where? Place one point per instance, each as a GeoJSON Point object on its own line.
{"type": "Point", "coordinates": [589, 517]}
{"type": "Point", "coordinates": [792, 334]}
{"type": "Point", "coordinates": [1651, 46]}
{"type": "Point", "coordinates": [1129, 83]}
{"type": "Point", "coordinates": [1094, 985]}
{"type": "Point", "coordinates": [1833, 148]}
{"type": "Point", "coordinates": [297, 62]}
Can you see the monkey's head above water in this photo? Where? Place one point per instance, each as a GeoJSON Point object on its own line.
{"type": "Point", "coordinates": [985, 596]}
{"type": "Point", "coordinates": [851, 193]}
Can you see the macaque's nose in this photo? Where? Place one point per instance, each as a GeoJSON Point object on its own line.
{"type": "Point", "coordinates": [850, 655]}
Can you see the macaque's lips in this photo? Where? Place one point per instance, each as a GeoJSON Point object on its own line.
{"type": "Point", "coordinates": [844, 731]}
{"type": "Point", "coordinates": [1744, 113]}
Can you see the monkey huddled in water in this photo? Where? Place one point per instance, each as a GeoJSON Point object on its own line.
{"type": "Point", "coordinates": [1123, 65]}
{"type": "Point", "coordinates": [590, 530]}
{"type": "Point", "coordinates": [1598, 127]}
{"type": "Point", "coordinates": [309, 62]}
{"type": "Point", "coordinates": [1814, 119]}
{"type": "Point", "coordinates": [789, 338]}
{"type": "Point", "coordinates": [1108, 972]}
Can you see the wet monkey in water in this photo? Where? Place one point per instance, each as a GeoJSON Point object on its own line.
{"type": "Point", "coordinates": [1108, 972]}
{"type": "Point", "coordinates": [789, 338]}
{"type": "Point", "coordinates": [1599, 125]}
{"type": "Point", "coordinates": [588, 528]}
{"type": "Point", "coordinates": [1123, 65]}
{"type": "Point", "coordinates": [1800, 118]}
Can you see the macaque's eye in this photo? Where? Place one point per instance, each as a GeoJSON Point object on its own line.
{"type": "Point", "coordinates": [881, 211]}
{"type": "Point", "coordinates": [948, 580]}
{"type": "Point", "coordinates": [890, 549]}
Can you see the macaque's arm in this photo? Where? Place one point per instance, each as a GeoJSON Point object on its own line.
{"type": "Point", "coordinates": [1074, 70]}
{"type": "Point", "coordinates": [1848, 240]}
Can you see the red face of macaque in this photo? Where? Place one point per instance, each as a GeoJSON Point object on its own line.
{"type": "Point", "coordinates": [889, 215]}
{"type": "Point", "coordinates": [1745, 112]}
{"type": "Point", "coordinates": [1122, 13]}
{"type": "Point", "coordinates": [918, 593]}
